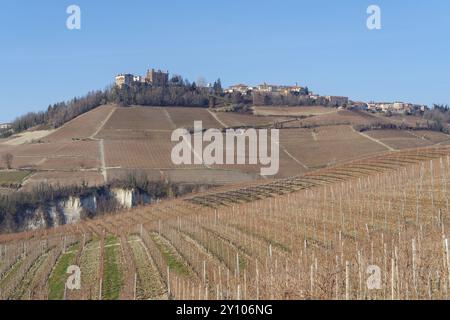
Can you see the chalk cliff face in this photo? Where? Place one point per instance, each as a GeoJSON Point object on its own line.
{"type": "Point", "coordinates": [70, 210]}
{"type": "Point", "coordinates": [129, 198]}
{"type": "Point", "coordinates": [125, 198]}
{"type": "Point", "coordinates": [35, 220]}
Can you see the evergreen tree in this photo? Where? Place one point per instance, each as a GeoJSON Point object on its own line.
{"type": "Point", "coordinates": [218, 87]}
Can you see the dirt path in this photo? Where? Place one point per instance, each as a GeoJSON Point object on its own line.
{"type": "Point", "coordinates": [415, 135]}
{"type": "Point", "coordinates": [103, 123]}
{"type": "Point", "coordinates": [373, 139]}
{"type": "Point", "coordinates": [101, 146]}
{"type": "Point", "coordinates": [214, 115]}
{"type": "Point", "coordinates": [169, 118]}
{"type": "Point", "coordinates": [292, 157]}
{"type": "Point", "coordinates": [295, 159]}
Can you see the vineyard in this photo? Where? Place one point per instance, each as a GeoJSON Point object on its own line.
{"type": "Point", "coordinates": [112, 141]}
{"type": "Point", "coordinates": [374, 228]}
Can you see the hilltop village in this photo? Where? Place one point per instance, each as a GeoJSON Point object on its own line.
{"type": "Point", "coordinates": [272, 94]}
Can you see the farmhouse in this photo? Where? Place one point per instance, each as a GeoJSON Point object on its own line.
{"type": "Point", "coordinates": [5, 126]}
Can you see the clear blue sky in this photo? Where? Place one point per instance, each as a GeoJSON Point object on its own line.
{"type": "Point", "coordinates": [322, 43]}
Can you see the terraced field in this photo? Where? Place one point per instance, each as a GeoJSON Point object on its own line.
{"type": "Point", "coordinates": [185, 117]}
{"type": "Point", "coordinates": [111, 142]}
{"type": "Point", "coordinates": [84, 126]}
{"type": "Point", "coordinates": [307, 237]}
{"type": "Point", "coordinates": [408, 139]}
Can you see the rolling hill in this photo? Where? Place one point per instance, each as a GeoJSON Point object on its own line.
{"type": "Point", "coordinates": [109, 142]}
{"type": "Point", "coordinates": [310, 237]}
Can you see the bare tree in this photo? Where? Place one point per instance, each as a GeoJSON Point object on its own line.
{"type": "Point", "coordinates": [8, 159]}
{"type": "Point", "coordinates": [201, 82]}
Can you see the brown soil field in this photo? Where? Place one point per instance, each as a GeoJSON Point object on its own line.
{"type": "Point", "coordinates": [208, 176]}
{"type": "Point", "coordinates": [232, 119]}
{"type": "Point", "coordinates": [138, 154]}
{"type": "Point", "coordinates": [68, 163]}
{"type": "Point", "coordinates": [83, 126]}
{"type": "Point", "coordinates": [342, 117]}
{"type": "Point", "coordinates": [334, 144]}
{"type": "Point", "coordinates": [121, 174]}
{"type": "Point", "coordinates": [87, 149]}
{"type": "Point", "coordinates": [293, 111]}
{"type": "Point", "coordinates": [38, 149]}
{"type": "Point", "coordinates": [91, 178]}
{"type": "Point", "coordinates": [138, 118]}
{"type": "Point", "coordinates": [432, 136]}
{"type": "Point", "coordinates": [31, 155]}
{"type": "Point", "coordinates": [139, 138]}
{"type": "Point", "coordinates": [408, 139]}
{"type": "Point", "coordinates": [389, 134]}
{"type": "Point", "coordinates": [21, 162]}
{"type": "Point", "coordinates": [59, 155]}
{"type": "Point", "coordinates": [185, 117]}
{"type": "Point", "coordinates": [399, 144]}
{"type": "Point", "coordinates": [199, 175]}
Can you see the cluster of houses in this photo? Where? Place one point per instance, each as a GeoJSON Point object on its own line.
{"type": "Point", "coordinates": [389, 107]}
{"type": "Point", "coordinates": [286, 90]}
{"type": "Point", "coordinates": [267, 88]}
{"type": "Point", "coordinates": [341, 102]}
{"type": "Point", "coordinates": [160, 78]}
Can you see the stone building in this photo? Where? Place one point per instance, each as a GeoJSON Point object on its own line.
{"type": "Point", "coordinates": [124, 79]}
{"type": "Point", "coordinates": [157, 78]}
{"type": "Point", "coordinates": [337, 101]}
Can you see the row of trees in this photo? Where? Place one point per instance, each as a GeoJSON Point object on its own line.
{"type": "Point", "coordinates": [179, 92]}
{"type": "Point", "coordinates": [59, 113]}
{"type": "Point", "coordinates": [439, 113]}
{"type": "Point", "coordinates": [274, 99]}
{"type": "Point", "coordinates": [146, 95]}
{"type": "Point", "coordinates": [429, 125]}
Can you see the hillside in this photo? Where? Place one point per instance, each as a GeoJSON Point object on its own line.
{"type": "Point", "coordinates": [313, 236]}
{"type": "Point", "coordinates": [109, 142]}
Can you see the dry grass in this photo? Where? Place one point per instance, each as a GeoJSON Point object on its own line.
{"type": "Point", "coordinates": [27, 137]}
